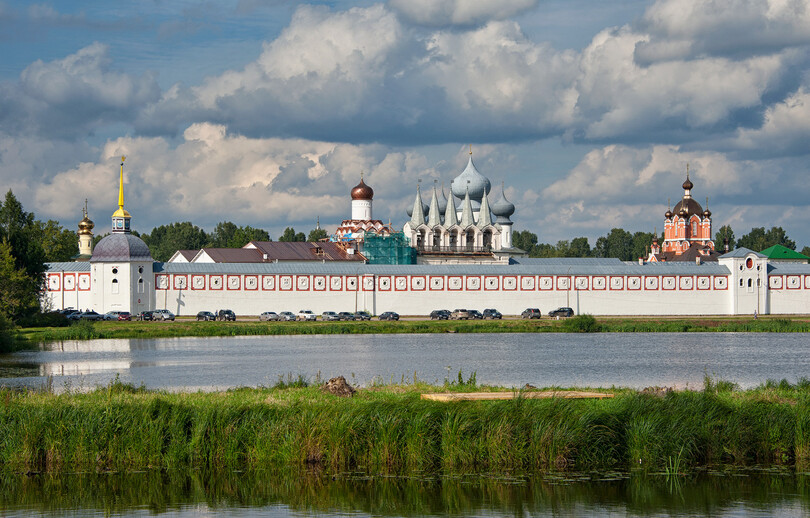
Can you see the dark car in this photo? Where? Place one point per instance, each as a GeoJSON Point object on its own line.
{"type": "Point", "coordinates": [389, 315]}
{"type": "Point", "coordinates": [205, 316]}
{"type": "Point", "coordinates": [146, 315]}
{"type": "Point", "coordinates": [492, 313]}
{"type": "Point", "coordinates": [346, 315]}
{"type": "Point", "coordinates": [440, 314]}
{"type": "Point", "coordinates": [475, 314]}
{"type": "Point", "coordinates": [226, 315]}
{"type": "Point", "coordinates": [362, 315]}
{"type": "Point", "coordinates": [125, 315]}
{"type": "Point", "coordinates": [531, 313]}
{"type": "Point", "coordinates": [561, 312]}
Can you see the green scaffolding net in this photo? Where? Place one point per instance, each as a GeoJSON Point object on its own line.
{"type": "Point", "coordinates": [388, 249]}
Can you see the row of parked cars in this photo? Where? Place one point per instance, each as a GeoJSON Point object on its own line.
{"type": "Point", "coordinates": [326, 316]}
{"type": "Point", "coordinates": [223, 315]}
{"type": "Point", "coordinates": [465, 314]}
{"type": "Point", "coordinates": [556, 313]}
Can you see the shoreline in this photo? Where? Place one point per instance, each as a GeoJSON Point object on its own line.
{"type": "Point", "coordinates": [389, 429]}
{"type": "Point", "coordinates": [583, 323]}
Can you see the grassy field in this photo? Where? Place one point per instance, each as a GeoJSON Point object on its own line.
{"type": "Point", "coordinates": [389, 429]}
{"type": "Point", "coordinates": [581, 323]}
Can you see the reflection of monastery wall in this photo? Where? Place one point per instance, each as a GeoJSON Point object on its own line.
{"type": "Point", "coordinates": [740, 283]}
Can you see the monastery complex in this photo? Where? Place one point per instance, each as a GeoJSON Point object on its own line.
{"type": "Point", "coordinates": [455, 251]}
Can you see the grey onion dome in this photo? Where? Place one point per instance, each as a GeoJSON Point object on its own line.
{"type": "Point", "coordinates": [119, 247]}
{"type": "Point", "coordinates": [470, 180]}
{"type": "Point", "coordinates": [425, 209]}
{"type": "Point", "coordinates": [442, 201]}
{"type": "Point", "coordinates": [503, 208]}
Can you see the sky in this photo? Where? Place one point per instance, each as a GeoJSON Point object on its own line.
{"type": "Point", "coordinates": [266, 112]}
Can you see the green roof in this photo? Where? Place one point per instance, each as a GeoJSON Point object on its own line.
{"type": "Point", "coordinates": [783, 252]}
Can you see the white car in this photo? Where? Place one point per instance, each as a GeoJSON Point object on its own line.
{"type": "Point", "coordinates": [306, 314]}
{"type": "Point", "coordinates": [162, 314]}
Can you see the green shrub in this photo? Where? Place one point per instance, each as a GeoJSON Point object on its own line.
{"type": "Point", "coordinates": [582, 324]}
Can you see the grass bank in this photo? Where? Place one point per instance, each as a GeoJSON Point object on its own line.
{"type": "Point", "coordinates": [581, 323]}
{"type": "Point", "coordinates": [389, 429]}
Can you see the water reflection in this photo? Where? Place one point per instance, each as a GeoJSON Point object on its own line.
{"type": "Point", "coordinates": [593, 360]}
{"type": "Point", "coordinates": [293, 494]}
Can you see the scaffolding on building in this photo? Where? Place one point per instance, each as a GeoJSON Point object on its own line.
{"type": "Point", "coordinates": [393, 248]}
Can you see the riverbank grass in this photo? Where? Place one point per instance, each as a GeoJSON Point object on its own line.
{"type": "Point", "coordinates": [389, 429]}
{"type": "Point", "coordinates": [577, 324]}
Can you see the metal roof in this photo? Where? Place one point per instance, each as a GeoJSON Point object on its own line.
{"type": "Point", "coordinates": [68, 267]}
{"type": "Point", "coordinates": [741, 252]}
{"type": "Point", "coordinates": [783, 268]}
{"type": "Point", "coordinates": [552, 267]}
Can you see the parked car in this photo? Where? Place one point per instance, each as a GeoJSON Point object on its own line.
{"type": "Point", "coordinates": [531, 313]}
{"type": "Point", "coordinates": [91, 315]}
{"type": "Point", "coordinates": [226, 315]}
{"type": "Point", "coordinates": [124, 315]}
{"type": "Point", "coordinates": [475, 314]}
{"type": "Point", "coordinates": [362, 315]}
{"type": "Point", "coordinates": [205, 316]}
{"type": "Point", "coordinates": [492, 313]}
{"type": "Point", "coordinates": [561, 312]}
{"type": "Point", "coordinates": [329, 316]}
{"type": "Point", "coordinates": [389, 315]}
{"type": "Point", "coordinates": [306, 314]}
{"type": "Point", "coordinates": [286, 316]}
{"type": "Point", "coordinates": [460, 314]}
{"type": "Point", "coordinates": [346, 315]}
{"type": "Point", "coordinates": [440, 314]}
{"type": "Point", "coordinates": [268, 316]}
{"type": "Point", "coordinates": [162, 314]}
{"type": "Point", "coordinates": [110, 315]}
{"type": "Point", "coordinates": [145, 315]}
{"type": "Point", "coordinates": [73, 314]}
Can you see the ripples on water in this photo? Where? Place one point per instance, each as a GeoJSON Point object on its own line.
{"type": "Point", "coordinates": [594, 360]}
{"type": "Point", "coordinates": [315, 494]}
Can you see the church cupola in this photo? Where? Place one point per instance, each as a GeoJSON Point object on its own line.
{"type": "Point", "coordinates": [120, 218]}
{"type": "Point", "coordinates": [362, 196]}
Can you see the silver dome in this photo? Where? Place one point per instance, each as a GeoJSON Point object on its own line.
{"type": "Point", "coordinates": [470, 178]}
{"type": "Point", "coordinates": [120, 247]}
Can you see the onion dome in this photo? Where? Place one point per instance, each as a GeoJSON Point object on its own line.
{"type": "Point", "coordinates": [425, 209]}
{"type": "Point", "coordinates": [687, 206]}
{"type": "Point", "coordinates": [361, 191]}
{"type": "Point", "coordinates": [707, 213]}
{"type": "Point", "coordinates": [503, 208]}
{"type": "Point", "coordinates": [668, 214]}
{"type": "Point", "coordinates": [687, 185]}
{"type": "Point", "coordinates": [121, 247]}
{"type": "Point", "coordinates": [472, 182]}
{"type": "Point", "coordinates": [86, 225]}
{"type": "Point", "coordinates": [442, 201]}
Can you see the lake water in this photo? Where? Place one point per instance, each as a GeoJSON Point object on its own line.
{"type": "Point", "coordinates": [250, 494]}
{"type": "Point", "coordinates": [585, 360]}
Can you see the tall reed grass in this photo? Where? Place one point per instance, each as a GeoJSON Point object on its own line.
{"type": "Point", "coordinates": [391, 430]}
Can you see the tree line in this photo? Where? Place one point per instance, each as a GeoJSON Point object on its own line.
{"type": "Point", "coordinates": [629, 246]}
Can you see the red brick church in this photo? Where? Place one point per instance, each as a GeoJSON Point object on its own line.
{"type": "Point", "coordinates": [687, 231]}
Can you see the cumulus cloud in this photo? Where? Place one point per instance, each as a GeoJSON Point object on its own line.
{"type": "Point", "coordinates": [213, 176]}
{"type": "Point", "coordinates": [70, 97]}
{"type": "Point", "coordinates": [785, 129]}
{"type": "Point", "coordinates": [681, 29]}
{"type": "Point", "coordinates": [439, 13]}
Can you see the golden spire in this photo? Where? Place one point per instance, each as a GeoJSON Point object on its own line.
{"type": "Point", "coordinates": [121, 212]}
{"type": "Point", "coordinates": [470, 149]}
